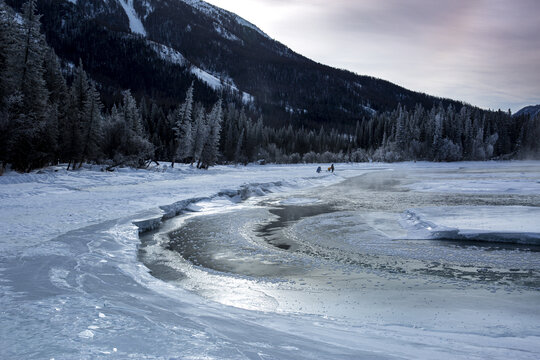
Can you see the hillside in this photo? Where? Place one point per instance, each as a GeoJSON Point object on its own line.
{"type": "Point", "coordinates": [131, 99]}
{"type": "Point", "coordinates": [158, 48]}
{"type": "Point", "coordinates": [532, 111]}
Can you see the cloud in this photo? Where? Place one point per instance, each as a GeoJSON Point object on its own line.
{"type": "Point", "coordinates": [485, 52]}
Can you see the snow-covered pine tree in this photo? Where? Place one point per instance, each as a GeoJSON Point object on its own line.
{"type": "Point", "coordinates": [258, 134]}
{"type": "Point", "coordinates": [131, 114]}
{"type": "Point", "coordinates": [230, 137]}
{"type": "Point", "coordinates": [201, 131]}
{"type": "Point", "coordinates": [31, 112]}
{"type": "Point", "coordinates": [402, 138]}
{"type": "Point", "coordinates": [10, 41]}
{"type": "Point", "coordinates": [238, 157]}
{"type": "Point", "coordinates": [479, 152]}
{"type": "Point", "coordinates": [58, 98]}
{"type": "Point", "coordinates": [449, 123]}
{"type": "Point", "coordinates": [91, 125]}
{"type": "Point", "coordinates": [530, 145]}
{"type": "Point", "coordinates": [31, 60]}
{"type": "Point", "coordinates": [459, 121]}
{"type": "Point", "coordinates": [46, 139]}
{"type": "Point", "coordinates": [55, 81]}
{"type": "Point", "coordinates": [250, 141]}
{"type": "Point", "coordinates": [437, 135]}
{"type": "Point", "coordinates": [113, 133]}
{"type": "Point", "coordinates": [135, 148]}
{"type": "Point", "coordinates": [210, 150]}
{"type": "Point", "coordinates": [358, 134]}
{"type": "Point", "coordinates": [320, 140]}
{"type": "Point", "coordinates": [243, 144]}
{"type": "Point", "coordinates": [467, 134]}
{"type": "Point", "coordinates": [182, 126]}
{"type": "Point", "coordinates": [71, 128]}
{"type": "Point", "coordinates": [160, 134]}
{"type": "Point", "coordinates": [10, 46]}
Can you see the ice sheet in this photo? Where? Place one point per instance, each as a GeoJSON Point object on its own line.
{"type": "Point", "coordinates": [518, 224]}
{"type": "Point", "coordinates": [72, 285]}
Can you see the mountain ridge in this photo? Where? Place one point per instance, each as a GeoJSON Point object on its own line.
{"type": "Point", "coordinates": [531, 110]}
{"type": "Point", "coordinates": [296, 111]}
{"type": "Point", "coordinates": [285, 86]}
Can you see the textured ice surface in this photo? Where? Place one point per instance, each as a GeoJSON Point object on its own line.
{"type": "Point", "coordinates": [513, 224]}
{"type": "Point", "coordinates": [73, 286]}
{"type": "Point", "coordinates": [517, 178]}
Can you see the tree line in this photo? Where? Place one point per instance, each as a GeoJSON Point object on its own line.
{"type": "Point", "coordinates": [44, 121]}
{"type": "Point", "coordinates": [52, 114]}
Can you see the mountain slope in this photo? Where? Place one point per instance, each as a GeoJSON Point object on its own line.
{"type": "Point", "coordinates": [532, 111]}
{"type": "Point", "coordinates": [117, 42]}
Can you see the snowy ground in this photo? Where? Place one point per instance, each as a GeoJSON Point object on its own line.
{"type": "Point", "coordinates": [73, 286]}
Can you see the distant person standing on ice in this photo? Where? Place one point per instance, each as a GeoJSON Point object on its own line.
{"type": "Point", "coordinates": [332, 168]}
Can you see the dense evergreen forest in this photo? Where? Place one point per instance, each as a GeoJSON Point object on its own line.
{"type": "Point", "coordinates": [50, 114]}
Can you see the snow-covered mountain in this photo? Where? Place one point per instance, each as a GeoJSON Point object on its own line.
{"type": "Point", "coordinates": [158, 48]}
{"type": "Point", "coordinates": [532, 111]}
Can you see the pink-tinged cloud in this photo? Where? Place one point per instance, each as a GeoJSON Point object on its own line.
{"type": "Point", "coordinates": [484, 52]}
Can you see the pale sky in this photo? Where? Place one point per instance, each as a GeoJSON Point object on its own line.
{"type": "Point", "coordinates": [484, 52]}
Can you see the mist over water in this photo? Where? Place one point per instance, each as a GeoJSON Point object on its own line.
{"type": "Point", "coordinates": [342, 251]}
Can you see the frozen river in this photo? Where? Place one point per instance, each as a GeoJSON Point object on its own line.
{"type": "Point", "coordinates": [377, 261]}
{"type": "Point", "coordinates": [362, 251]}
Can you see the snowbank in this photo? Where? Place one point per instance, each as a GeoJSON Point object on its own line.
{"type": "Point", "coordinates": [513, 224]}
{"type": "Point", "coordinates": [38, 206]}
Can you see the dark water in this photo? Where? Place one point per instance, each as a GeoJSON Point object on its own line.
{"type": "Point", "coordinates": [352, 226]}
{"type": "Point", "coordinates": [340, 251]}
{"type": "Point", "coordinates": [287, 215]}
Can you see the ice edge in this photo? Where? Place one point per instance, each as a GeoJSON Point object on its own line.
{"type": "Point", "coordinates": [245, 192]}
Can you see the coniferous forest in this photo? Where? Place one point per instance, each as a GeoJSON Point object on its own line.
{"type": "Point", "coordinates": [51, 113]}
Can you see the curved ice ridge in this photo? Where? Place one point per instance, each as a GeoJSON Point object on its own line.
{"type": "Point", "coordinates": [245, 192]}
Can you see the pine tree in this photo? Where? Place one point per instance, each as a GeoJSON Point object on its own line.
{"type": "Point", "coordinates": [210, 150]}
{"type": "Point", "coordinates": [55, 82]}
{"type": "Point", "coordinates": [467, 135]}
{"type": "Point", "coordinates": [10, 98]}
{"type": "Point", "coordinates": [58, 99]}
{"type": "Point", "coordinates": [10, 47]}
{"type": "Point", "coordinates": [30, 113]}
{"type": "Point", "coordinates": [182, 120]}
{"type": "Point", "coordinates": [91, 125]}
{"type": "Point", "coordinates": [200, 134]}
{"type": "Point", "coordinates": [358, 134]}
{"type": "Point", "coordinates": [159, 132]}
{"type": "Point", "coordinates": [258, 134]}
{"type": "Point", "coordinates": [238, 156]}
{"type": "Point", "coordinates": [32, 83]}
{"type": "Point", "coordinates": [401, 131]}
{"type": "Point", "coordinates": [114, 130]}
{"type": "Point", "coordinates": [437, 135]}
{"type": "Point", "coordinates": [478, 145]}
{"type": "Point", "coordinates": [131, 114]}
{"type": "Point", "coordinates": [132, 147]}
{"type": "Point", "coordinates": [71, 128]}
{"type": "Point", "coordinates": [231, 132]}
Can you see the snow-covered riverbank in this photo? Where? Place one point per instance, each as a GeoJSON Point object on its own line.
{"type": "Point", "coordinates": [72, 286]}
{"type": "Point", "coordinates": [39, 206]}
